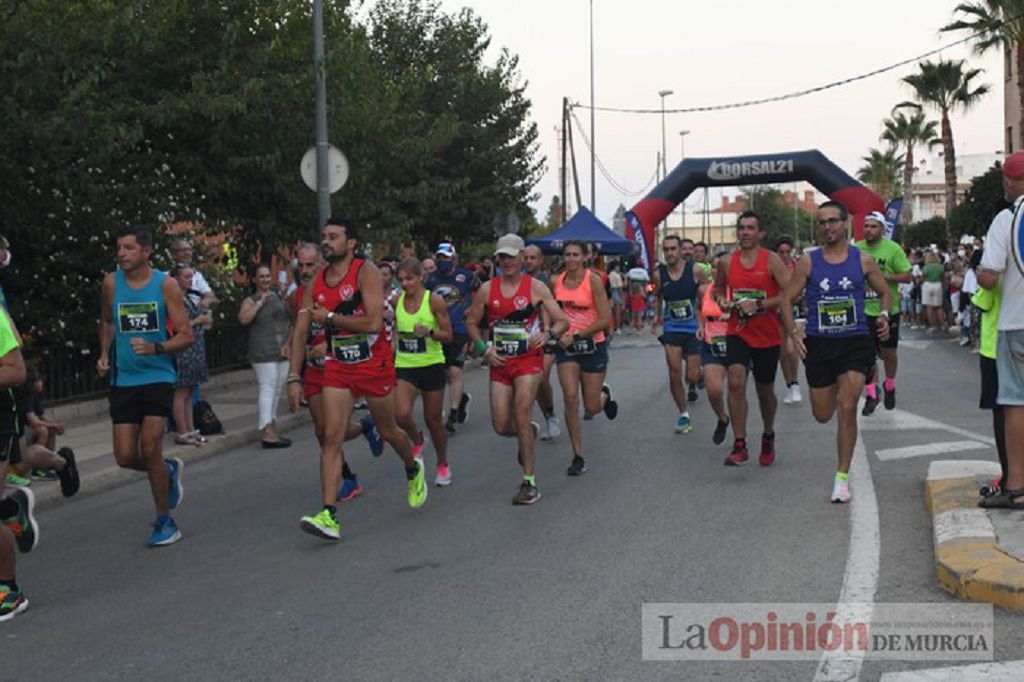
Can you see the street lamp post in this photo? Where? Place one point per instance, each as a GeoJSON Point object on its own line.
{"type": "Point", "coordinates": [664, 164]}
{"type": "Point", "coordinates": [323, 191]}
{"type": "Point", "coordinates": [682, 157]}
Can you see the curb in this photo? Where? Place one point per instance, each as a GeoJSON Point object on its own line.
{"type": "Point", "coordinates": [49, 497]}
{"type": "Point", "coordinates": [969, 562]}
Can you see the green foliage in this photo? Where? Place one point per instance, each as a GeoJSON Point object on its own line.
{"type": "Point", "coordinates": [925, 232]}
{"type": "Point", "coordinates": [156, 111]}
{"type": "Point", "coordinates": [777, 218]}
{"type": "Point", "coordinates": [881, 172]}
{"type": "Point", "coordinates": [984, 199]}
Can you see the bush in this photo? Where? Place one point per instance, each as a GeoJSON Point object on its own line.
{"type": "Point", "coordinates": [925, 232]}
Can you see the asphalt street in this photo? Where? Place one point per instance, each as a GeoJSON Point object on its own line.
{"type": "Point", "coordinates": [471, 587]}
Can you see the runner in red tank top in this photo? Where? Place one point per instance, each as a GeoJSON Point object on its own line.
{"type": "Point", "coordinates": [511, 301]}
{"type": "Point", "coordinates": [308, 256]}
{"type": "Point", "coordinates": [751, 284]}
{"type": "Point", "coordinates": [348, 298]}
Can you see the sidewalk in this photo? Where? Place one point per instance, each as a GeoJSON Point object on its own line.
{"type": "Point", "coordinates": [979, 553]}
{"type": "Point", "coordinates": [88, 433]}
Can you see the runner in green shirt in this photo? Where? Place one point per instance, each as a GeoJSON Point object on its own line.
{"type": "Point", "coordinates": [895, 266]}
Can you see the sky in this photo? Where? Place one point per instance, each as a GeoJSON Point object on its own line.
{"type": "Point", "coordinates": [713, 53]}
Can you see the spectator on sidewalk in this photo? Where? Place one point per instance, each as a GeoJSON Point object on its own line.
{"type": "Point", "coordinates": [615, 282]}
{"type": "Point", "coordinates": [41, 460]}
{"type": "Point", "coordinates": [1001, 265]}
{"type": "Point", "coordinates": [201, 292]}
{"type": "Point", "coordinates": [266, 316]}
{"type": "Point", "coordinates": [933, 274]}
{"type": "Point", "coordinates": [191, 362]}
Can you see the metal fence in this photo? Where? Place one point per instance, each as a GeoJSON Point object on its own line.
{"type": "Point", "coordinates": [69, 374]}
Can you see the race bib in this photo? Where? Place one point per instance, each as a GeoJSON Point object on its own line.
{"type": "Point", "coordinates": [581, 347]}
{"type": "Point", "coordinates": [317, 362]}
{"type": "Point", "coordinates": [718, 346]}
{"type": "Point", "coordinates": [749, 294]}
{"type": "Point", "coordinates": [837, 315]}
{"type": "Point", "coordinates": [137, 317]}
{"type": "Point", "coordinates": [680, 310]}
{"type": "Point", "coordinates": [351, 349]}
{"type": "Point", "coordinates": [408, 342]}
{"type": "Point", "coordinates": [510, 340]}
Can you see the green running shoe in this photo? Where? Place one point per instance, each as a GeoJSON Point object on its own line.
{"type": "Point", "coordinates": [20, 481]}
{"type": "Point", "coordinates": [418, 487]}
{"type": "Point", "coordinates": [683, 424]}
{"type": "Point", "coordinates": [322, 525]}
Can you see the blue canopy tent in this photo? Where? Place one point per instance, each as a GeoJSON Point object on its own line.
{"type": "Point", "coordinates": [586, 228]}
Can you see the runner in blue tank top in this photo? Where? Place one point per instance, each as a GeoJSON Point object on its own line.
{"type": "Point", "coordinates": [677, 283]}
{"type": "Point", "coordinates": [135, 350]}
{"type": "Point", "coordinates": [837, 349]}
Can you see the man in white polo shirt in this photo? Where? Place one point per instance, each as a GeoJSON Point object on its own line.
{"type": "Point", "coordinates": [1003, 259]}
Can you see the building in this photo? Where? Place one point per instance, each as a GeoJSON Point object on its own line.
{"type": "Point", "coordinates": [1014, 141]}
{"type": "Point", "coordinates": [929, 182]}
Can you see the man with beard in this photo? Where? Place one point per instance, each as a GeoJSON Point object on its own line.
{"type": "Point", "coordinates": [837, 349]}
{"type": "Point", "coordinates": [308, 256]}
{"type": "Point", "coordinates": [347, 298]}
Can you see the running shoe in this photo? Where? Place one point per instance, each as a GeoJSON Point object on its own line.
{"type": "Point", "coordinates": [418, 487]}
{"type": "Point", "coordinates": [175, 467]}
{"type": "Point", "coordinates": [797, 397]}
{"type": "Point", "coordinates": [719, 436]}
{"type": "Point", "coordinates": [577, 468]}
{"type": "Point", "coordinates": [738, 457]}
{"type": "Point", "coordinates": [11, 602]}
{"type": "Point", "coordinates": [350, 489]}
{"type": "Point", "coordinates": [449, 423]}
{"type": "Point", "coordinates": [528, 494]}
{"type": "Point", "coordinates": [69, 479]}
{"type": "Point", "coordinates": [43, 475]}
{"type": "Point", "coordinates": [463, 414]}
{"type": "Point", "coordinates": [767, 457]}
{"type": "Point", "coordinates": [841, 492]}
{"type": "Point", "coordinates": [443, 479]}
{"type": "Point", "coordinates": [19, 481]}
{"type": "Point", "coordinates": [322, 525]}
{"type": "Point", "coordinates": [417, 448]}
{"type": "Point", "coordinates": [691, 395]}
{"type": "Point", "coordinates": [890, 399]}
{"type": "Point", "coordinates": [372, 435]}
{"type": "Point", "coordinates": [554, 428]}
{"type": "Point", "coordinates": [611, 408]}
{"type": "Point", "coordinates": [165, 533]}
{"type": "Point", "coordinates": [870, 405]}
{"type": "Point", "coordinates": [23, 523]}
{"type": "Point", "coordinates": [683, 424]}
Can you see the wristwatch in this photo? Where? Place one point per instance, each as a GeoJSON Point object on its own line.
{"type": "Point", "coordinates": [330, 318]}
{"type": "Point", "coordinates": [158, 348]}
{"type": "Point", "coordinates": [576, 336]}
{"type": "Point", "coordinates": [430, 333]}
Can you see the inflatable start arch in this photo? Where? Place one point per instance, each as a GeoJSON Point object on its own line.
{"type": "Point", "coordinates": [691, 174]}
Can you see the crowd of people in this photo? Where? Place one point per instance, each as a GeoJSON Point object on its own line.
{"type": "Point", "coordinates": [394, 333]}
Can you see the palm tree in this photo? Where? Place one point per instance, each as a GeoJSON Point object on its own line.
{"type": "Point", "coordinates": [996, 24]}
{"type": "Point", "coordinates": [881, 172]}
{"type": "Point", "coordinates": [946, 85]}
{"type": "Point", "coordinates": [909, 132]}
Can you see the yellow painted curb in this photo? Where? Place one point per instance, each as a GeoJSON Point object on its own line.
{"type": "Point", "coordinates": [973, 568]}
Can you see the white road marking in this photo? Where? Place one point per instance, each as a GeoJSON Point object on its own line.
{"type": "Point", "coordinates": [916, 345]}
{"type": "Point", "coordinates": [901, 420]}
{"type": "Point", "coordinates": [856, 599]}
{"type": "Point", "coordinates": [1007, 671]}
{"type": "Point", "coordinates": [930, 449]}
{"type": "Point", "coordinates": [962, 468]}
{"type": "Point", "coordinates": [962, 523]}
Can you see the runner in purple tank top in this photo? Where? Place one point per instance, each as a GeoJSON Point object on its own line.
{"type": "Point", "coordinates": [837, 349]}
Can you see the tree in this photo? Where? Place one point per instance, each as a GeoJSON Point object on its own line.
{"type": "Point", "coordinates": [556, 214]}
{"type": "Point", "coordinates": [779, 218]}
{"type": "Point", "coordinates": [984, 199]}
{"type": "Point", "coordinates": [881, 172]}
{"type": "Point", "coordinates": [946, 85]}
{"type": "Point", "coordinates": [996, 24]}
{"type": "Point", "coordinates": [909, 132]}
{"type": "Point", "coordinates": [926, 232]}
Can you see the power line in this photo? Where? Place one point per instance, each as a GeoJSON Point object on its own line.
{"type": "Point", "coordinates": [799, 93]}
{"type": "Point", "coordinates": [604, 170]}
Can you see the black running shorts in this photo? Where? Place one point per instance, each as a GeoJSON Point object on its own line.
{"type": "Point", "coordinates": [827, 359]}
{"type": "Point", "coordinates": [132, 404]}
{"type": "Point", "coordinates": [763, 361]}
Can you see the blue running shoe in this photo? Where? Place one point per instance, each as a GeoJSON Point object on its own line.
{"type": "Point", "coordinates": [175, 490]}
{"type": "Point", "coordinates": [372, 435]}
{"type": "Point", "coordinates": [164, 533]}
{"type": "Point", "coordinates": [350, 488]}
{"type": "Point", "coordinates": [683, 424]}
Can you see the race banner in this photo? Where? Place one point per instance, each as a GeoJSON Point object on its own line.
{"type": "Point", "coordinates": [892, 219]}
{"type": "Point", "coordinates": [636, 233]}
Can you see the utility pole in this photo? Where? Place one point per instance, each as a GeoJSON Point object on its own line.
{"type": "Point", "coordinates": [664, 164]}
{"type": "Point", "coordinates": [682, 157]}
{"type": "Point", "coordinates": [323, 191]}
